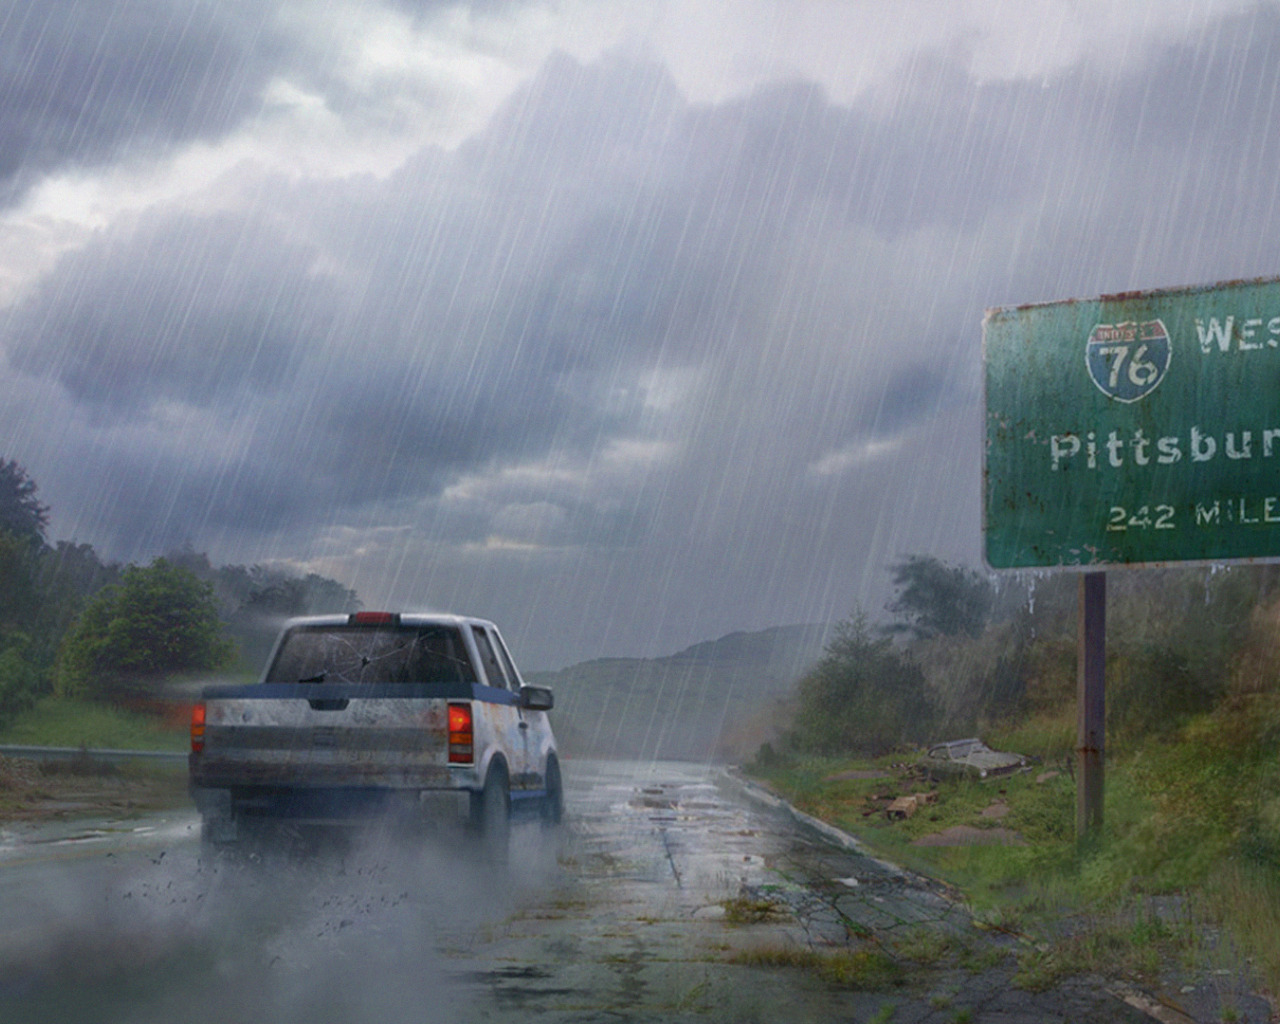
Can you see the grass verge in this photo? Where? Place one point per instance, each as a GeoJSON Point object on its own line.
{"type": "Point", "coordinates": [34, 791]}
{"type": "Point", "coordinates": [65, 722]}
{"type": "Point", "coordinates": [1191, 841]}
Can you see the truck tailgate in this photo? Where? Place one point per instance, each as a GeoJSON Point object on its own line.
{"type": "Point", "coordinates": [327, 737]}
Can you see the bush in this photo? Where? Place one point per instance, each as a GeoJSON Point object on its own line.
{"type": "Point", "coordinates": [21, 681]}
{"type": "Point", "coordinates": [863, 695]}
{"type": "Point", "coordinates": [937, 599]}
{"type": "Point", "coordinates": [157, 621]}
{"type": "Point", "coordinates": [974, 680]}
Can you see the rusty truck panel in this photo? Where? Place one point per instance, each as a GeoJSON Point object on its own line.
{"type": "Point", "coordinates": [400, 743]}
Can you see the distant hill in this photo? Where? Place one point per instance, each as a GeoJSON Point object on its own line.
{"type": "Point", "coordinates": [716, 700]}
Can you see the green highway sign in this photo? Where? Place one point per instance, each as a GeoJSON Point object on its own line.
{"type": "Point", "coordinates": [1134, 429]}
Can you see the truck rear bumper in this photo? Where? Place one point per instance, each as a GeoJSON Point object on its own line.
{"type": "Point", "coordinates": [223, 808]}
{"type": "Point", "coordinates": [325, 771]}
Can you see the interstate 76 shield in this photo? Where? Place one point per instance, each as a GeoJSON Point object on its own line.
{"type": "Point", "coordinates": [1128, 360]}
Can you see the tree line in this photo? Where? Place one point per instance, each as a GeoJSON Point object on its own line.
{"type": "Point", "coordinates": [962, 650]}
{"type": "Point", "coordinates": [75, 625]}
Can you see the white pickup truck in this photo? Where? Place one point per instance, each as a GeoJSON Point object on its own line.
{"type": "Point", "coordinates": [375, 712]}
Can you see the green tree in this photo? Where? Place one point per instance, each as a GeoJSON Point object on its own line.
{"type": "Point", "coordinates": [264, 596]}
{"type": "Point", "coordinates": [21, 680]}
{"type": "Point", "coordinates": [290, 595]}
{"type": "Point", "coordinates": [21, 512]}
{"type": "Point", "coordinates": [156, 622]}
{"type": "Point", "coordinates": [23, 675]}
{"type": "Point", "coordinates": [19, 595]}
{"type": "Point", "coordinates": [863, 694]}
{"type": "Point", "coordinates": [937, 599]}
{"type": "Point", "coordinates": [68, 577]}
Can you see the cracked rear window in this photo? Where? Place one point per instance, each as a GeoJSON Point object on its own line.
{"type": "Point", "coordinates": [364, 654]}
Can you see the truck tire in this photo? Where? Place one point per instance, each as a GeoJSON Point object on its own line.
{"type": "Point", "coordinates": [553, 802]}
{"type": "Point", "coordinates": [491, 813]}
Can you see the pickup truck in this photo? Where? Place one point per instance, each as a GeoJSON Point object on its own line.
{"type": "Point", "coordinates": [375, 713]}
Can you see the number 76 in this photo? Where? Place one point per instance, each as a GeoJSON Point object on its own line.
{"type": "Point", "coordinates": [1141, 370]}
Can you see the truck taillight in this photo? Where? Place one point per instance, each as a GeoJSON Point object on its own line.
{"type": "Point", "coordinates": [197, 727]}
{"type": "Point", "coordinates": [461, 749]}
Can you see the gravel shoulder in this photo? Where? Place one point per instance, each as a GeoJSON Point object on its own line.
{"type": "Point", "coordinates": [37, 792]}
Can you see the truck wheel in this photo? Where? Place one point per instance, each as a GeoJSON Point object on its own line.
{"type": "Point", "coordinates": [491, 813]}
{"type": "Point", "coordinates": [553, 802]}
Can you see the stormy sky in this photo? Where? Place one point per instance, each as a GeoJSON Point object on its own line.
{"type": "Point", "coordinates": [626, 325]}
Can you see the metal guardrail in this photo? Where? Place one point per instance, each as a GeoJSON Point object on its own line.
{"type": "Point", "coordinates": [93, 754]}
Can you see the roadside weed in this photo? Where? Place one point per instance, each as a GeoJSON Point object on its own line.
{"type": "Point", "coordinates": [864, 969]}
{"type": "Point", "coordinates": [979, 961]}
{"type": "Point", "coordinates": [750, 909]}
{"type": "Point", "coordinates": [1249, 897]}
{"type": "Point", "coordinates": [926, 946]}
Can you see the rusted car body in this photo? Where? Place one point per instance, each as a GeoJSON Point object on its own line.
{"type": "Point", "coordinates": [970, 758]}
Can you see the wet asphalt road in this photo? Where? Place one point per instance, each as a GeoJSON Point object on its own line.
{"type": "Point", "coordinates": [669, 895]}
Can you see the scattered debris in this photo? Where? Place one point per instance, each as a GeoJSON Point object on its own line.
{"type": "Point", "coordinates": [906, 806]}
{"type": "Point", "coordinates": [903, 807]}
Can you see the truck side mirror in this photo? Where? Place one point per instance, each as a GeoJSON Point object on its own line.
{"type": "Point", "coordinates": [536, 698]}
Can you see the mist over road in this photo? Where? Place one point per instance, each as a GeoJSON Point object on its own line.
{"type": "Point", "coordinates": [669, 895]}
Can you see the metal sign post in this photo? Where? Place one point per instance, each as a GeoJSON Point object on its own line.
{"type": "Point", "coordinates": [1140, 429]}
{"type": "Point", "coordinates": [1091, 703]}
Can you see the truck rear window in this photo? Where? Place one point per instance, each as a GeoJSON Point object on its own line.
{"type": "Point", "coordinates": [365, 654]}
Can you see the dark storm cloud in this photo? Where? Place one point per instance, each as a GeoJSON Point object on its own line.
{"type": "Point", "coordinates": [195, 309]}
{"type": "Point", "coordinates": [816, 271]}
{"type": "Point", "coordinates": [934, 146]}
{"type": "Point", "coordinates": [83, 82]}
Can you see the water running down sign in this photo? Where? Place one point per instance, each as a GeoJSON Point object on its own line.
{"type": "Point", "coordinates": [1134, 429]}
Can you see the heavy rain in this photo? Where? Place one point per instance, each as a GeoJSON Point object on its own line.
{"type": "Point", "coordinates": [626, 326]}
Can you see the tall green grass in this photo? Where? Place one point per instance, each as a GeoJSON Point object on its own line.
{"type": "Point", "coordinates": [1248, 897]}
{"type": "Point", "coordinates": [64, 722]}
{"type": "Point", "coordinates": [1193, 813]}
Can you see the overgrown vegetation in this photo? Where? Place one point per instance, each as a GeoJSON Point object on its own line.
{"type": "Point", "coordinates": [1193, 728]}
{"type": "Point", "coordinates": [56, 722]}
{"type": "Point", "coordinates": [963, 655]}
{"type": "Point", "coordinates": [157, 621]}
{"type": "Point", "coordinates": [75, 626]}
{"type": "Point", "coordinates": [750, 909]}
{"type": "Point", "coordinates": [867, 969]}
{"type": "Point", "coordinates": [862, 695]}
